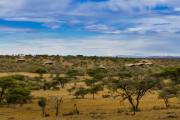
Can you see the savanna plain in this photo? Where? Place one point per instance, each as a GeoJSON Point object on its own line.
{"type": "Point", "coordinates": [89, 88]}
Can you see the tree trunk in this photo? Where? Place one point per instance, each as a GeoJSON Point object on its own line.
{"type": "Point", "coordinates": [132, 105]}
{"type": "Point", "coordinates": [137, 104]}
{"type": "Point", "coordinates": [82, 96]}
{"type": "Point", "coordinates": [43, 111]}
{"type": "Point", "coordinates": [1, 94]}
{"type": "Point", "coordinates": [62, 85]}
{"type": "Point", "coordinates": [166, 101]}
{"type": "Point", "coordinates": [58, 105]}
{"type": "Point", "coordinates": [93, 96]}
{"type": "Point", "coordinates": [134, 110]}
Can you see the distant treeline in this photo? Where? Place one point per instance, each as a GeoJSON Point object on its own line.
{"type": "Point", "coordinates": [61, 64]}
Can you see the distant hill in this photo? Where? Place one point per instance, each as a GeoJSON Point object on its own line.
{"type": "Point", "coordinates": [158, 57]}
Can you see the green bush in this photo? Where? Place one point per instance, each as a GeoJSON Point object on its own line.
{"type": "Point", "coordinates": [18, 96]}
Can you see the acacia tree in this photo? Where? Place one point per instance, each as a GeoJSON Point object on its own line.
{"type": "Point", "coordinates": [41, 71]}
{"type": "Point", "coordinates": [91, 83]}
{"type": "Point", "coordinates": [172, 73]}
{"type": "Point", "coordinates": [81, 92]}
{"type": "Point", "coordinates": [95, 89]}
{"type": "Point", "coordinates": [95, 84]}
{"type": "Point", "coordinates": [18, 95]}
{"type": "Point", "coordinates": [61, 81]}
{"type": "Point", "coordinates": [97, 73]}
{"type": "Point", "coordinates": [72, 73]}
{"type": "Point", "coordinates": [166, 94]}
{"type": "Point", "coordinates": [133, 89]}
{"type": "Point", "coordinates": [5, 84]}
{"type": "Point", "coordinates": [172, 89]}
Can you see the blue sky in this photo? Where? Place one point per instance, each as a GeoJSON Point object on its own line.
{"type": "Point", "coordinates": [90, 27]}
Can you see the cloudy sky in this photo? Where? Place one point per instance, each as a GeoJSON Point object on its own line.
{"type": "Point", "coordinates": [90, 27]}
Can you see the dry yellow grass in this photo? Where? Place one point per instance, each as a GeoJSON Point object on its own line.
{"type": "Point", "coordinates": [19, 73]}
{"type": "Point", "coordinates": [105, 109]}
{"type": "Point", "coordinates": [98, 109]}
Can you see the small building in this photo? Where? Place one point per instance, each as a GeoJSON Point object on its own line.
{"type": "Point", "coordinates": [102, 67]}
{"type": "Point", "coordinates": [20, 60]}
{"type": "Point", "coordinates": [146, 62]}
{"type": "Point", "coordinates": [130, 65]}
{"type": "Point", "coordinates": [140, 63]}
{"type": "Point", "coordinates": [48, 62]}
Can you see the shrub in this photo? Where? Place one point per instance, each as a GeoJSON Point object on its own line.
{"type": "Point", "coordinates": [18, 96]}
{"type": "Point", "coordinates": [81, 92]}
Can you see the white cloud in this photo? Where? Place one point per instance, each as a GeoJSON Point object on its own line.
{"type": "Point", "coordinates": [104, 17]}
{"type": "Point", "coordinates": [102, 28]}
{"type": "Point", "coordinates": [9, 7]}
{"type": "Point", "coordinates": [102, 46]}
{"type": "Point", "coordinates": [162, 24]}
{"type": "Point", "coordinates": [141, 4]}
{"type": "Point", "coordinates": [51, 8]}
{"type": "Point", "coordinates": [14, 30]}
{"type": "Point", "coordinates": [50, 12]}
{"type": "Point", "coordinates": [33, 10]}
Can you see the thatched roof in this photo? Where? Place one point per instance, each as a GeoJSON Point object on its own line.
{"type": "Point", "coordinates": [130, 65]}
{"type": "Point", "coordinates": [140, 63]}
{"type": "Point", "coordinates": [48, 62]}
{"type": "Point", "coordinates": [21, 60]}
{"type": "Point", "coordinates": [102, 67]}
